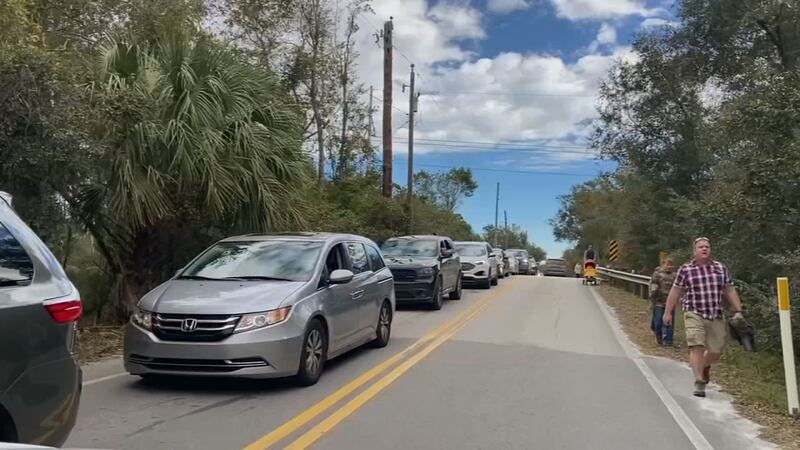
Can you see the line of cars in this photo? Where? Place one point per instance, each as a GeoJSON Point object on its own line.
{"type": "Point", "coordinates": [254, 306]}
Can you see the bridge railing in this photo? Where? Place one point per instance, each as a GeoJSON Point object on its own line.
{"type": "Point", "coordinates": [635, 283]}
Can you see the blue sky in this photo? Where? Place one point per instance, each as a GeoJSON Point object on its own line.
{"type": "Point", "coordinates": [509, 89]}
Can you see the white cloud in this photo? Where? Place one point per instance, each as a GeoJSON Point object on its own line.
{"type": "Point", "coordinates": [655, 22]}
{"type": "Point", "coordinates": [605, 37]}
{"type": "Point", "coordinates": [599, 9]}
{"type": "Point", "coordinates": [458, 21]}
{"type": "Point", "coordinates": [507, 6]}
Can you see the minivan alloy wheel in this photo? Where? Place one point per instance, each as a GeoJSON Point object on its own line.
{"type": "Point", "coordinates": [385, 323]}
{"type": "Point", "coordinates": [314, 351]}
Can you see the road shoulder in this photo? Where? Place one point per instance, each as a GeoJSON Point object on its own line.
{"type": "Point", "coordinates": [726, 418]}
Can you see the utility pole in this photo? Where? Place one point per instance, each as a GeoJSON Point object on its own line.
{"type": "Point", "coordinates": [387, 108]}
{"type": "Point", "coordinates": [496, 210]}
{"type": "Point", "coordinates": [505, 215]}
{"type": "Point", "coordinates": [371, 131]}
{"type": "Point", "coordinates": [412, 108]}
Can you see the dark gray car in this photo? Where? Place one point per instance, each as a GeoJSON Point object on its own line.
{"type": "Point", "coordinates": [425, 269]}
{"type": "Point", "coordinates": [264, 306]}
{"type": "Point", "coordinates": [40, 378]}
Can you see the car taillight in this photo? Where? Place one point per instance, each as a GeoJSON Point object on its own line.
{"type": "Point", "coordinates": [66, 311]}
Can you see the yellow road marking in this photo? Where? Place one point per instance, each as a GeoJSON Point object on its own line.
{"type": "Point", "coordinates": [353, 405]}
{"type": "Point", "coordinates": [309, 414]}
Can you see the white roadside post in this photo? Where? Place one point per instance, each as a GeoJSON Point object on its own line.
{"type": "Point", "coordinates": [788, 347]}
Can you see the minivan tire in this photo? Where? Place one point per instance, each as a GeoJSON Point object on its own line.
{"type": "Point", "coordinates": [457, 293]}
{"type": "Point", "coordinates": [313, 353]}
{"type": "Point", "coordinates": [383, 330]}
{"type": "Point", "coordinates": [436, 301]}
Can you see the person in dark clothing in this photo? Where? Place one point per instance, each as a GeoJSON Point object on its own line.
{"type": "Point", "coordinates": [589, 254]}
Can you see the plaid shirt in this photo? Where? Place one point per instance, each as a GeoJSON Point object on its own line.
{"type": "Point", "coordinates": [703, 288]}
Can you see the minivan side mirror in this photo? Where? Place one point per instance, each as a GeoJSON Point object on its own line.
{"type": "Point", "coordinates": [492, 255]}
{"type": "Point", "coordinates": [447, 253]}
{"type": "Point", "coordinates": [341, 276]}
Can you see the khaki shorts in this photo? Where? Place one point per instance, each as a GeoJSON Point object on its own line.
{"type": "Point", "coordinates": [710, 334]}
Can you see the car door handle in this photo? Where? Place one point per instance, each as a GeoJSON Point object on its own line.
{"type": "Point", "coordinates": [357, 294]}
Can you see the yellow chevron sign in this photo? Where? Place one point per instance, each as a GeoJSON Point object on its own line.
{"type": "Point", "coordinates": [613, 251]}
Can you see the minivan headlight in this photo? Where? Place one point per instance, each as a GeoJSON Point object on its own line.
{"type": "Point", "coordinates": [263, 319]}
{"type": "Point", "coordinates": [480, 263]}
{"type": "Point", "coordinates": [143, 318]}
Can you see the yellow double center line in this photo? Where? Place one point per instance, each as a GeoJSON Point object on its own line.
{"type": "Point", "coordinates": [433, 340]}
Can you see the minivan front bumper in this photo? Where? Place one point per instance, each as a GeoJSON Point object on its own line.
{"type": "Point", "coordinates": [270, 352]}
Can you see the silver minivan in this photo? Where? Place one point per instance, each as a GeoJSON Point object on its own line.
{"type": "Point", "coordinates": [264, 306]}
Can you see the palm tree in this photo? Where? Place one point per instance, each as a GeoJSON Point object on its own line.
{"type": "Point", "coordinates": [197, 139]}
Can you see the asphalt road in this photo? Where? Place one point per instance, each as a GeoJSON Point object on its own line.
{"type": "Point", "coordinates": [534, 363]}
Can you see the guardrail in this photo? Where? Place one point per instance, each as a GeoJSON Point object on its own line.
{"type": "Point", "coordinates": [632, 282]}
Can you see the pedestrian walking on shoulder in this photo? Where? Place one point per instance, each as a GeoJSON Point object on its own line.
{"type": "Point", "coordinates": [702, 285]}
{"type": "Point", "coordinates": [578, 269]}
{"type": "Point", "coordinates": [660, 285]}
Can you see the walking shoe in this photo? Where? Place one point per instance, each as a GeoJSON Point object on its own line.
{"type": "Point", "coordinates": [707, 374]}
{"type": "Point", "coordinates": [699, 388]}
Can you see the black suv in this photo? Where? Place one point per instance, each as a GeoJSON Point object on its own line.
{"type": "Point", "coordinates": [40, 379]}
{"type": "Point", "coordinates": [425, 269]}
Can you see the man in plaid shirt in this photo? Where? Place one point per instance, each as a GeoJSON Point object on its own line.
{"type": "Point", "coordinates": [702, 285]}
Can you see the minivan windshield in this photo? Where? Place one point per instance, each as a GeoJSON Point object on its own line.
{"type": "Point", "coordinates": [471, 249]}
{"type": "Point", "coordinates": [409, 247]}
{"type": "Point", "coordinates": [256, 260]}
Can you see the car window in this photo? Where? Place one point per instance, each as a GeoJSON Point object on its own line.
{"type": "Point", "coordinates": [448, 245]}
{"type": "Point", "coordinates": [335, 260]}
{"type": "Point", "coordinates": [411, 247]}
{"type": "Point", "coordinates": [471, 249]}
{"type": "Point", "coordinates": [375, 259]}
{"type": "Point", "coordinates": [358, 257]}
{"type": "Point", "coordinates": [16, 267]}
{"type": "Point", "coordinates": [286, 260]}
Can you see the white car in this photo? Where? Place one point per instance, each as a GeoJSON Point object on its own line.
{"type": "Point", "coordinates": [479, 263]}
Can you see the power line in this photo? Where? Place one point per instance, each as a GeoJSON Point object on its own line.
{"type": "Point", "coordinates": [485, 143]}
{"type": "Point", "coordinates": [545, 151]}
{"type": "Point", "coordinates": [531, 172]}
{"type": "Point", "coordinates": [523, 93]}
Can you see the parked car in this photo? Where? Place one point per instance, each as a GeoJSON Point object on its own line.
{"type": "Point", "coordinates": [511, 263]}
{"type": "Point", "coordinates": [523, 260]}
{"type": "Point", "coordinates": [40, 378]}
{"type": "Point", "coordinates": [501, 262]}
{"type": "Point", "coordinates": [555, 267]}
{"type": "Point", "coordinates": [478, 263]}
{"type": "Point", "coordinates": [264, 306]}
{"type": "Point", "coordinates": [425, 269]}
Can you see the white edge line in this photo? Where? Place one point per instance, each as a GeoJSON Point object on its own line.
{"type": "Point", "coordinates": [102, 379]}
{"type": "Point", "coordinates": [681, 418]}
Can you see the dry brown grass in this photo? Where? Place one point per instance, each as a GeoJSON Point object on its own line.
{"type": "Point", "coordinates": [755, 380]}
{"type": "Point", "coordinates": [98, 343]}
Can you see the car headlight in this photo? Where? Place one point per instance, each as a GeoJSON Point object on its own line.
{"type": "Point", "coordinates": [426, 272]}
{"type": "Point", "coordinates": [262, 319]}
{"type": "Point", "coordinates": [143, 318]}
{"type": "Point", "coordinates": [480, 263]}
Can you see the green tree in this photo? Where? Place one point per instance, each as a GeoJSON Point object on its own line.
{"type": "Point", "coordinates": [198, 143]}
{"type": "Point", "coordinates": [446, 189]}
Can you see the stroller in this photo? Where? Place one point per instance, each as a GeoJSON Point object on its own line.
{"type": "Point", "coordinates": [589, 272]}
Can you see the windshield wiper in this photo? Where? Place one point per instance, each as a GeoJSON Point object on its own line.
{"type": "Point", "coordinates": [198, 277]}
{"type": "Point", "coordinates": [257, 277]}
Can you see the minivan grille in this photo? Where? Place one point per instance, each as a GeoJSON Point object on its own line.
{"type": "Point", "coordinates": [196, 328]}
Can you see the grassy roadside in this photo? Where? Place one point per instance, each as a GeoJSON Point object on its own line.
{"type": "Point", "coordinates": [98, 343]}
{"type": "Point", "coordinates": [755, 380]}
